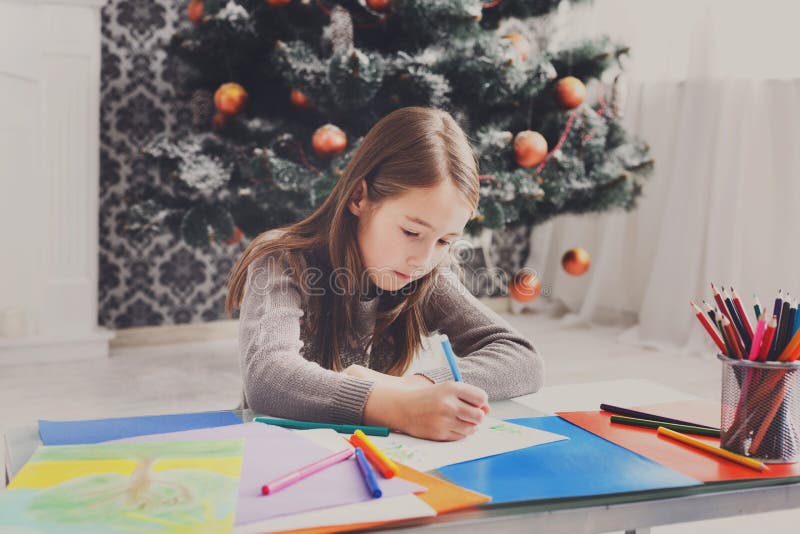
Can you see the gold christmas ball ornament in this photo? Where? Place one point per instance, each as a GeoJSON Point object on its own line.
{"type": "Point", "coordinates": [570, 92]}
{"type": "Point", "coordinates": [230, 98]}
{"type": "Point", "coordinates": [525, 286]}
{"type": "Point", "coordinates": [576, 261]}
{"type": "Point", "coordinates": [530, 148]}
{"type": "Point", "coordinates": [329, 140]}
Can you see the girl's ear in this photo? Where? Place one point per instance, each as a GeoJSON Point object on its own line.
{"type": "Point", "coordinates": [358, 200]}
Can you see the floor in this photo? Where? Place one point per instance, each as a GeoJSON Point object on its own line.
{"type": "Point", "coordinates": [205, 376]}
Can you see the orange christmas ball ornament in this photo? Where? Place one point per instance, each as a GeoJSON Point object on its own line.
{"type": "Point", "coordinates": [379, 5]}
{"type": "Point", "coordinates": [530, 148]}
{"type": "Point", "coordinates": [195, 11]}
{"type": "Point", "coordinates": [329, 140]}
{"type": "Point", "coordinates": [576, 261]}
{"type": "Point", "coordinates": [525, 286]}
{"type": "Point", "coordinates": [236, 237]}
{"type": "Point", "coordinates": [571, 92]}
{"type": "Point", "coordinates": [299, 99]}
{"type": "Point", "coordinates": [230, 98]}
{"type": "Point", "coordinates": [279, 3]}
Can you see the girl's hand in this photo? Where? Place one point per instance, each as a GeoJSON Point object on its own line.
{"type": "Point", "coordinates": [444, 412]}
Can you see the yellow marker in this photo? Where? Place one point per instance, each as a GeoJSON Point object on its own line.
{"type": "Point", "coordinates": [382, 462]}
{"type": "Point", "coordinates": [732, 456]}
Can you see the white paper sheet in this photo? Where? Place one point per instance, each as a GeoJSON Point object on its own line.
{"type": "Point", "coordinates": [383, 509]}
{"type": "Point", "coordinates": [493, 437]}
{"type": "Point", "coordinates": [582, 397]}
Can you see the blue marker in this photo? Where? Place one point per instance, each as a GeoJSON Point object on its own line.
{"type": "Point", "coordinates": [368, 474]}
{"type": "Point", "coordinates": [451, 358]}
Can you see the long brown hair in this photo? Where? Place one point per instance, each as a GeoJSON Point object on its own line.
{"type": "Point", "coordinates": [409, 148]}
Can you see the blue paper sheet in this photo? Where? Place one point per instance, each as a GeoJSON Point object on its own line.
{"type": "Point", "coordinates": [97, 430]}
{"type": "Point", "coordinates": [580, 466]}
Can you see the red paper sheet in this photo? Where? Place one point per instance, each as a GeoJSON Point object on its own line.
{"type": "Point", "coordinates": [670, 453]}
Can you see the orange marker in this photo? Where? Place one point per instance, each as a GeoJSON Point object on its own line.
{"type": "Point", "coordinates": [381, 462]}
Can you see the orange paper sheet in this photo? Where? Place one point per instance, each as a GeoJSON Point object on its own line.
{"type": "Point", "coordinates": [670, 453]}
{"type": "Point", "coordinates": [442, 496]}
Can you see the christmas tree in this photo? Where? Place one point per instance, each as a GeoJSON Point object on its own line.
{"type": "Point", "coordinates": [281, 92]}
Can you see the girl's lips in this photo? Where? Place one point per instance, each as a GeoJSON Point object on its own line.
{"type": "Point", "coordinates": [401, 275]}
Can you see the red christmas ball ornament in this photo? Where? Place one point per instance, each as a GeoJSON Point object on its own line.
{"type": "Point", "coordinates": [571, 92]}
{"type": "Point", "coordinates": [329, 140]}
{"type": "Point", "coordinates": [299, 99]}
{"type": "Point", "coordinates": [525, 286]}
{"type": "Point", "coordinates": [195, 11]}
{"type": "Point", "coordinates": [530, 148]}
{"type": "Point", "coordinates": [576, 261]}
{"type": "Point", "coordinates": [379, 5]}
{"type": "Point", "coordinates": [278, 3]}
{"type": "Point", "coordinates": [230, 98]}
{"type": "Point", "coordinates": [236, 237]}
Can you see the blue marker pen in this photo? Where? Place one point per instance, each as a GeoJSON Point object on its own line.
{"type": "Point", "coordinates": [368, 474]}
{"type": "Point", "coordinates": [451, 358]}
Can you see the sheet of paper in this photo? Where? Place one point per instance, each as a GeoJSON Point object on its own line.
{"type": "Point", "coordinates": [325, 437]}
{"type": "Point", "coordinates": [272, 451]}
{"type": "Point", "coordinates": [99, 430]}
{"type": "Point", "coordinates": [126, 487]}
{"type": "Point", "coordinates": [580, 397]}
{"type": "Point", "coordinates": [383, 509]}
{"type": "Point", "coordinates": [493, 437]}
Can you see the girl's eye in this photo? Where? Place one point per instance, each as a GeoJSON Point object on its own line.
{"type": "Point", "coordinates": [443, 243]}
{"type": "Point", "coordinates": [409, 233]}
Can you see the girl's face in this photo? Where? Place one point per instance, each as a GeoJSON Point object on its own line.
{"type": "Point", "coordinates": [404, 237]}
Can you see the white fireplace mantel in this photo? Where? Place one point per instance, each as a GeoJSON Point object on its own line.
{"type": "Point", "coordinates": [49, 180]}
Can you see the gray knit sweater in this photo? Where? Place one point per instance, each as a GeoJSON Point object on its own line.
{"type": "Point", "coordinates": [280, 377]}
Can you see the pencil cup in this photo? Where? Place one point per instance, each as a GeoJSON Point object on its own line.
{"type": "Point", "coordinates": [761, 409]}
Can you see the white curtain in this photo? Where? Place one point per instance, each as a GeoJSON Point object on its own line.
{"type": "Point", "coordinates": [714, 87]}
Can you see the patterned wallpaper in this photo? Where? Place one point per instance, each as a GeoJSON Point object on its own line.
{"type": "Point", "coordinates": [159, 280]}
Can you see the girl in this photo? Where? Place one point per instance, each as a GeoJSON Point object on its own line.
{"type": "Point", "coordinates": [334, 307]}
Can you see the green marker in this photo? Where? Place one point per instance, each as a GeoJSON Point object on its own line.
{"type": "Point", "coordinates": [306, 425]}
{"type": "Point", "coordinates": [647, 423]}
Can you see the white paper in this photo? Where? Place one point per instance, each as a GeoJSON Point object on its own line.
{"type": "Point", "coordinates": [583, 397]}
{"type": "Point", "coordinates": [383, 509]}
{"type": "Point", "coordinates": [328, 438]}
{"type": "Point", "coordinates": [492, 437]}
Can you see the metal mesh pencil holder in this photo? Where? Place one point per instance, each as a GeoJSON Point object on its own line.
{"type": "Point", "coordinates": [761, 409]}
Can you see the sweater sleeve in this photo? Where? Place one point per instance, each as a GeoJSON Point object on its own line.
{"type": "Point", "coordinates": [277, 379]}
{"type": "Point", "coordinates": [492, 355]}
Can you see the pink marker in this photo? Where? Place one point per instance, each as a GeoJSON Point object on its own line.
{"type": "Point", "coordinates": [299, 474]}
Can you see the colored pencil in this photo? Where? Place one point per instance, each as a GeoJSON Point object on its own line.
{"type": "Point", "coordinates": [707, 325]}
{"type": "Point", "coordinates": [647, 423]}
{"type": "Point", "coordinates": [738, 326]}
{"type": "Point", "coordinates": [776, 309]}
{"type": "Point", "coordinates": [758, 337]}
{"type": "Point", "coordinates": [306, 425]}
{"type": "Point", "coordinates": [718, 300]}
{"type": "Point", "coordinates": [369, 476]}
{"type": "Point", "coordinates": [791, 348]}
{"type": "Point", "coordinates": [796, 325]}
{"type": "Point", "coordinates": [650, 417]}
{"type": "Point", "coordinates": [710, 312]}
{"type": "Point", "coordinates": [756, 305]}
{"type": "Point", "coordinates": [382, 463]}
{"type": "Point", "coordinates": [766, 345]}
{"type": "Point", "coordinates": [304, 472]}
{"type": "Point", "coordinates": [733, 338]}
{"type": "Point", "coordinates": [722, 453]}
{"type": "Point", "coordinates": [742, 315]}
{"type": "Point", "coordinates": [780, 332]}
{"type": "Point", "coordinates": [451, 358]}
{"type": "Point", "coordinates": [728, 350]}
